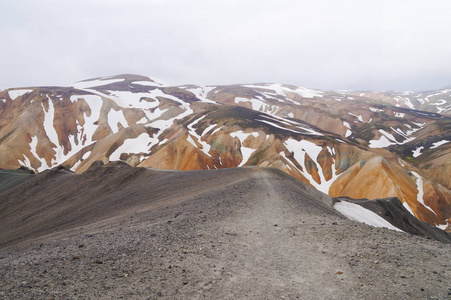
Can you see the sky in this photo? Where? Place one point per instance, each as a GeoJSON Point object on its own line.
{"type": "Point", "coordinates": [327, 44]}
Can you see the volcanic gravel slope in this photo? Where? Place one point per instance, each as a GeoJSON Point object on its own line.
{"type": "Point", "coordinates": [118, 232]}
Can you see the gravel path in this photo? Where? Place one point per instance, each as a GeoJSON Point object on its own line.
{"type": "Point", "coordinates": [257, 234]}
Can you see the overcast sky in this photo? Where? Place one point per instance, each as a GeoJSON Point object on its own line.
{"type": "Point", "coordinates": [330, 44]}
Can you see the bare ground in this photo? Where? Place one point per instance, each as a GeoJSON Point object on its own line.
{"type": "Point", "coordinates": [245, 233]}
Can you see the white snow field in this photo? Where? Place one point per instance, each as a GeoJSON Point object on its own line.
{"type": "Point", "coordinates": [360, 214]}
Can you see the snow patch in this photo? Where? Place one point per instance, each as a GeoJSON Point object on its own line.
{"type": "Point", "coordinates": [75, 166]}
{"type": "Point", "coordinates": [420, 194]}
{"type": "Point", "coordinates": [245, 151]}
{"type": "Point", "coordinates": [147, 83]}
{"type": "Point", "coordinates": [129, 99]}
{"type": "Point", "coordinates": [162, 125]}
{"type": "Point", "coordinates": [281, 90]}
{"type": "Point", "coordinates": [388, 135]}
{"type": "Point", "coordinates": [360, 214]}
{"type": "Point", "coordinates": [202, 92]}
{"type": "Point", "coordinates": [133, 145]}
{"type": "Point", "coordinates": [443, 227]}
{"type": "Point", "coordinates": [33, 145]}
{"type": "Point", "coordinates": [417, 151]}
{"type": "Point", "coordinates": [191, 141]}
{"type": "Point", "coordinates": [289, 123]}
{"type": "Point", "coordinates": [348, 133]}
{"type": "Point", "coordinates": [48, 122]}
{"type": "Point", "coordinates": [421, 125]}
{"type": "Point", "coordinates": [14, 94]}
{"type": "Point", "coordinates": [308, 93]}
{"type": "Point", "coordinates": [256, 104]}
{"type": "Point", "coordinates": [438, 144]}
{"type": "Point", "coordinates": [95, 104]}
{"type": "Point", "coordinates": [359, 117]}
{"type": "Point", "coordinates": [95, 83]}
{"type": "Point", "coordinates": [208, 129]}
{"type": "Point", "coordinates": [373, 109]}
{"type": "Point", "coordinates": [382, 142]}
{"type": "Point", "coordinates": [216, 130]}
{"type": "Point", "coordinates": [408, 208]}
{"type": "Point", "coordinates": [346, 124]}
{"type": "Point", "coordinates": [84, 132]}
{"type": "Point", "coordinates": [25, 161]}
{"type": "Point", "coordinates": [277, 126]}
{"type": "Point", "coordinates": [143, 120]}
{"type": "Point", "coordinates": [192, 132]}
{"type": "Point", "coordinates": [386, 140]}
{"type": "Point", "coordinates": [299, 149]}
{"type": "Point", "coordinates": [86, 155]}
{"type": "Point", "coordinates": [115, 117]}
{"type": "Point", "coordinates": [439, 102]}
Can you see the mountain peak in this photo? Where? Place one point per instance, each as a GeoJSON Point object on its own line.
{"type": "Point", "coordinates": [122, 80]}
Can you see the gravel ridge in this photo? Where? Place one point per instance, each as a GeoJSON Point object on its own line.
{"type": "Point", "coordinates": [247, 233]}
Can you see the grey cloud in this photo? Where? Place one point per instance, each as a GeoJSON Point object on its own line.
{"type": "Point", "coordinates": [324, 44]}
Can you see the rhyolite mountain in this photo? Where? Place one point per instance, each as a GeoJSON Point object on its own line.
{"type": "Point", "coordinates": [354, 144]}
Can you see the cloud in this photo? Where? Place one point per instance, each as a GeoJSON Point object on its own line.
{"type": "Point", "coordinates": [325, 44]}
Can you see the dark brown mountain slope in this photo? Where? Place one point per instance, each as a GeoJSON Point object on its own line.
{"type": "Point", "coordinates": [59, 199]}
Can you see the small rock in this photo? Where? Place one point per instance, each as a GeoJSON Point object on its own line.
{"type": "Point", "coordinates": [25, 284]}
{"type": "Point", "coordinates": [185, 282]}
{"type": "Point", "coordinates": [339, 272]}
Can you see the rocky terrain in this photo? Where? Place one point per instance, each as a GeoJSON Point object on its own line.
{"type": "Point", "coordinates": [357, 144]}
{"type": "Point", "coordinates": [117, 232]}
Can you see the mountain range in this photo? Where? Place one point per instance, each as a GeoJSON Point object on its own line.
{"type": "Point", "coordinates": [356, 144]}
